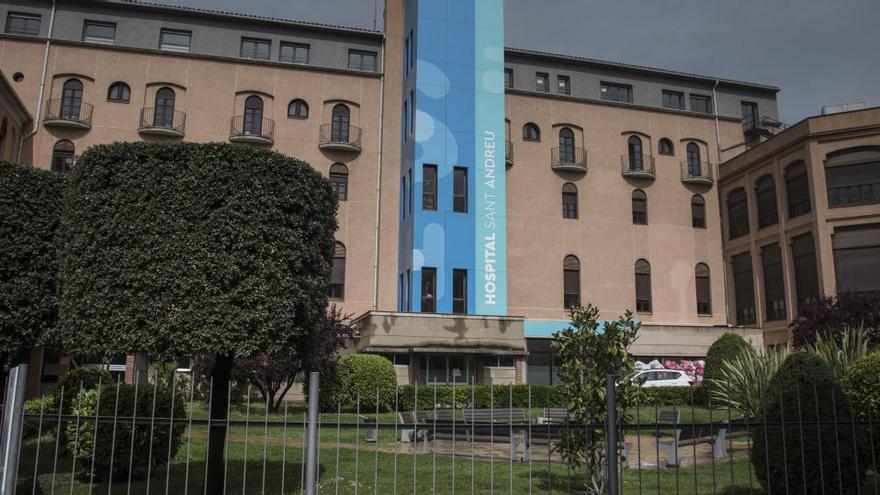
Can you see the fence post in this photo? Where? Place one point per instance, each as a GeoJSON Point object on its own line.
{"type": "Point", "coordinates": [312, 446]}
{"type": "Point", "coordinates": [10, 435]}
{"type": "Point", "coordinates": [611, 425]}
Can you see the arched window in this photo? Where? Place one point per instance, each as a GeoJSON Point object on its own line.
{"type": "Point", "coordinates": [765, 190]}
{"type": "Point", "coordinates": [531, 132]}
{"type": "Point", "coordinates": [852, 176]}
{"type": "Point", "coordinates": [253, 115]}
{"type": "Point", "coordinates": [337, 274]}
{"type": "Point", "coordinates": [704, 289]}
{"type": "Point", "coordinates": [339, 124]}
{"type": "Point", "coordinates": [71, 99]}
{"type": "Point", "coordinates": [119, 92]}
{"type": "Point", "coordinates": [694, 163]}
{"type": "Point", "coordinates": [3, 130]}
{"type": "Point", "coordinates": [640, 207]}
{"type": "Point", "coordinates": [643, 286]}
{"type": "Point", "coordinates": [339, 180]}
{"type": "Point", "coordinates": [571, 282]}
{"type": "Point", "coordinates": [634, 145]}
{"type": "Point", "coordinates": [298, 109]}
{"type": "Point", "coordinates": [569, 200]}
{"type": "Point", "coordinates": [737, 213]}
{"type": "Point", "coordinates": [163, 113]}
{"type": "Point", "coordinates": [62, 156]}
{"type": "Point", "coordinates": [797, 189]}
{"type": "Point", "coordinates": [698, 211]}
{"type": "Point", "coordinates": [666, 147]}
{"type": "Point", "coordinates": [566, 145]}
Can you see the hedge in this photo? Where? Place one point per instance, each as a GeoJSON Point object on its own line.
{"type": "Point", "coordinates": [358, 381]}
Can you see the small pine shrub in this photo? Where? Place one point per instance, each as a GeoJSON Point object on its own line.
{"type": "Point", "coordinates": [727, 347]}
{"type": "Point", "coordinates": [360, 379]}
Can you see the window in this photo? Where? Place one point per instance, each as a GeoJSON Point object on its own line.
{"type": "Point", "coordinates": [23, 24]}
{"type": "Point", "coordinates": [749, 115]}
{"type": "Point", "coordinates": [429, 187]}
{"type": "Point", "coordinates": [704, 289]}
{"type": "Point", "coordinates": [253, 116]}
{"type": "Point", "coordinates": [616, 92]}
{"type": "Point", "coordinates": [412, 112]}
{"type": "Point", "coordinates": [508, 78]}
{"type": "Point", "coordinates": [634, 147]}
{"type": "Point", "coordinates": [459, 190]}
{"type": "Point", "coordinates": [297, 109]}
{"type": "Point", "coordinates": [402, 199]}
{"type": "Point", "coordinates": [408, 290]}
{"type": "Point", "coordinates": [531, 132]}
{"type": "Point", "coordinates": [737, 213]}
{"type": "Point", "coordinates": [857, 257]}
{"type": "Point", "coordinates": [694, 162]}
{"type": "Point", "coordinates": [566, 145]}
{"type": "Point", "coordinates": [339, 180]}
{"type": "Point", "coordinates": [163, 113]}
{"type": "Point", "coordinates": [563, 85]}
{"type": "Point", "coordinates": [175, 41]}
{"type": "Point", "coordinates": [666, 147]}
{"type": "Point", "coordinates": [806, 276]}
{"type": "Point", "coordinates": [339, 123]}
{"type": "Point", "coordinates": [429, 289]}
{"type": "Point", "coordinates": [853, 176]}
{"type": "Point", "coordinates": [640, 207]}
{"type": "Point", "coordinates": [797, 189]}
{"type": "Point", "coordinates": [398, 358]}
{"type": "Point", "coordinates": [643, 286]}
{"type": "Point", "coordinates": [701, 104]}
{"type": "Point", "coordinates": [337, 273]}
{"type": "Point", "coordinates": [255, 48]}
{"type": "Point", "coordinates": [3, 129]}
{"type": "Point", "coordinates": [406, 51]}
{"type": "Point", "coordinates": [358, 60]}
{"type": "Point", "coordinates": [71, 99]}
{"type": "Point", "coordinates": [405, 119]}
{"type": "Point", "coordinates": [774, 282]}
{"type": "Point", "coordinates": [459, 291]}
{"type": "Point", "coordinates": [569, 200]}
{"type": "Point", "coordinates": [99, 32]}
{"type": "Point", "coordinates": [744, 290]}
{"type": "Point", "coordinates": [542, 83]}
{"type": "Point", "coordinates": [698, 212]}
{"type": "Point", "coordinates": [765, 190]}
{"type": "Point", "coordinates": [119, 92]}
{"type": "Point", "coordinates": [295, 53]}
{"type": "Point", "coordinates": [571, 282]}
{"type": "Point", "coordinates": [412, 190]}
{"type": "Point", "coordinates": [62, 156]}
{"type": "Point", "coordinates": [673, 99]}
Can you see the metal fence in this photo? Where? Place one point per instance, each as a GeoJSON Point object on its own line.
{"type": "Point", "coordinates": [152, 437]}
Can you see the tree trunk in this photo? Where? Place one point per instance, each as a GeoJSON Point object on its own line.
{"type": "Point", "coordinates": [219, 412]}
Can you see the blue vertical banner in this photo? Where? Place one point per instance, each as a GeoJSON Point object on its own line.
{"type": "Point", "coordinates": [490, 226]}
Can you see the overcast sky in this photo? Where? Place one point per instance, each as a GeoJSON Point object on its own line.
{"type": "Point", "coordinates": [819, 52]}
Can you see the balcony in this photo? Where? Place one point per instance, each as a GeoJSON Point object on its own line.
{"type": "Point", "coordinates": [508, 153]}
{"type": "Point", "coordinates": [340, 138]}
{"type": "Point", "coordinates": [70, 113]}
{"type": "Point", "coordinates": [853, 195]}
{"type": "Point", "coordinates": [251, 130]}
{"type": "Point", "coordinates": [168, 123]}
{"type": "Point", "coordinates": [696, 172]}
{"type": "Point", "coordinates": [569, 160]}
{"type": "Point", "coordinates": [637, 166]}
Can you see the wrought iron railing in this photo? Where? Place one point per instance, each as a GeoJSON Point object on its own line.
{"type": "Point", "coordinates": [172, 120]}
{"type": "Point", "coordinates": [508, 152]}
{"type": "Point", "coordinates": [768, 220]}
{"type": "Point", "coordinates": [568, 157]}
{"type": "Point", "coordinates": [243, 126]}
{"type": "Point", "coordinates": [696, 170]}
{"type": "Point", "coordinates": [640, 165]}
{"type": "Point", "coordinates": [860, 194]}
{"type": "Point", "coordinates": [343, 135]}
{"type": "Point", "coordinates": [70, 110]}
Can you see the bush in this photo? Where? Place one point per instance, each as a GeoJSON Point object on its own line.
{"type": "Point", "coordinates": [45, 405]}
{"type": "Point", "coordinates": [676, 396]}
{"type": "Point", "coordinates": [114, 444]}
{"type": "Point", "coordinates": [742, 382]}
{"type": "Point", "coordinates": [804, 392]}
{"type": "Point", "coordinates": [727, 347]}
{"type": "Point", "coordinates": [360, 376]}
{"type": "Point", "coordinates": [862, 384]}
{"type": "Point", "coordinates": [88, 378]}
{"type": "Point", "coordinates": [478, 396]}
{"type": "Point", "coordinates": [831, 315]}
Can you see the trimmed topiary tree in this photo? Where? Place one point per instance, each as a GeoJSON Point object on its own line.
{"type": "Point", "coordinates": [727, 347]}
{"type": "Point", "coordinates": [817, 419]}
{"type": "Point", "coordinates": [862, 384]}
{"type": "Point", "coordinates": [360, 377]}
{"type": "Point", "coordinates": [29, 216]}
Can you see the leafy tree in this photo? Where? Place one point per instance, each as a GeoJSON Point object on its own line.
{"type": "Point", "coordinates": [29, 217]}
{"type": "Point", "coordinates": [194, 249]}
{"type": "Point", "coordinates": [587, 355]}
{"type": "Point", "coordinates": [832, 315]}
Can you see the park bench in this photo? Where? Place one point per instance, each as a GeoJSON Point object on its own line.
{"type": "Point", "coordinates": [554, 415]}
{"type": "Point", "coordinates": [689, 435]}
{"type": "Point", "coordinates": [478, 425]}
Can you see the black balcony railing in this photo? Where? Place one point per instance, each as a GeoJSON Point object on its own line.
{"type": "Point", "coordinates": [508, 152]}
{"type": "Point", "coordinates": [247, 129]}
{"type": "Point", "coordinates": [67, 111]}
{"type": "Point", "coordinates": [860, 194]}
{"type": "Point", "coordinates": [696, 171]}
{"type": "Point", "coordinates": [739, 230]}
{"type": "Point", "coordinates": [637, 166]}
{"type": "Point", "coordinates": [799, 208]}
{"type": "Point", "coordinates": [164, 121]}
{"type": "Point", "coordinates": [568, 158]}
{"type": "Point", "coordinates": [339, 136]}
{"type": "Point", "coordinates": [768, 220]}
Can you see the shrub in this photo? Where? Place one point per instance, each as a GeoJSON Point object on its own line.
{"type": "Point", "coordinates": [88, 378]}
{"type": "Point", "coordinates": [831, 315]}
{"type": "Point", "coordinates": [114, 443]}
{"type": "Point", "coordinates": [478, 396]}
{"type": "Point", "coordinates": [862, 384]}
{"type": "Point", "coordinates": [742, 382]}
{"type": "Point", "coordinates": [676, 396]}
{"type": "Point", "coordinates": [360, 377]}
{"type": "Point", "coordinates": [728, 346]}
{"type": "Point", "coordinates": [44, 405]}
{"type": "Point", "coordinates": [840, 351]}
{"type": "Point", "coordinates": [804, 392]}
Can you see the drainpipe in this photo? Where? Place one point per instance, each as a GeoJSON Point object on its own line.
{"type": "Point", "coordinates": [42, 85]}
{"type": "Point", "coordinates": [379, 180]}
{"type": "Point", "coordinates": [724, 268]}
